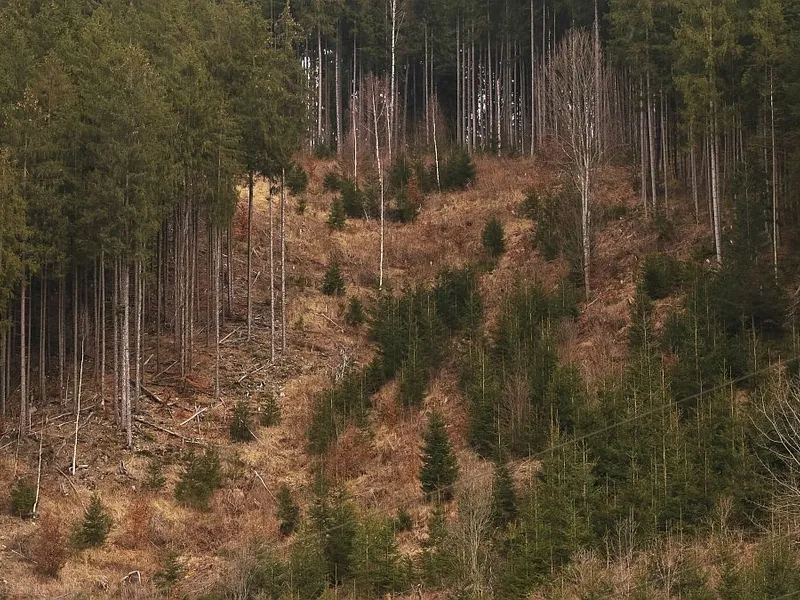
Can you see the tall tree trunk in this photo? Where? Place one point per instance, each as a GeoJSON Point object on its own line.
{"type": "Point", "coordinates": [271, 278]}
{"type": "Point", "coordinates": [217, 262]}
{"type": "Point", "coordinates": [380, 180]}
{"type": "Point", "coordinates": [651, 143]}
{"type": "Point", "coordinates": [643, 145]}
{"type": "Point", "coordinates": [664, 148]}
{"type": "Point", "coordinates": [43, 337]}
{"type": "Point", "coordinates": [250, 186]}
{"type": "Point", "coordinates": [693, 169]}
{"type": "Point", "coordinates": [24, 421]}
{"type": "Point", "coordinates": [714, 186]}
{"type": "Point", "coordinates": [338, 68]}
{"type": "Point", "coordinates": [126, 352]}
{"type": "Point", "coordinates": [319, 85]}
{"type": "Point", "coordinates": [283, 262]}
{"type": "Point", "coordinates": [775, 232]}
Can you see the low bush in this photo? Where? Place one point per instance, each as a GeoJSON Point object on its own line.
{"type": "Point", "coordinates": [49, 547]}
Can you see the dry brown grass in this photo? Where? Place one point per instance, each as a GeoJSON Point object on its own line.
{"type": "Point", "coordinates": [379, 467]}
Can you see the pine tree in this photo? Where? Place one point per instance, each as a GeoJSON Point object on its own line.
{"type": "Point", "coordinates": [202, 475]}
{"type": "Point", "coordinates": [270, 412]}
{"type": "Point", "coordinates": [504, 498]}
{"type": "Point", "coordinates": [95, 526]}
{"type": "Point", "coordinates": [333, 284]}
{"type": "Point", "coordinates": [169, 574]}
{"type": "Point", "coordinates": [338, 217]}
{"type": "Point", "coordinates": [154, 479]}
{"type": "Point", "coordinates": [439, 464]}
{"type": "Point", "coordinates": [288, 511]}
{"type": "Point", "coordinates": [240, 425]}
{"type": "Point", "coordinates": [493, 240]}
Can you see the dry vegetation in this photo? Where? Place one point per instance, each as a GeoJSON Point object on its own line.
{"type": "Point", "coordinates": [380, 467]}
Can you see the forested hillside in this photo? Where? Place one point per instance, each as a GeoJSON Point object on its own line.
{"type": "Point", "coordinates": [399, 298]}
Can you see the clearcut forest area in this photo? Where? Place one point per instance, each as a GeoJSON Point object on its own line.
{"type": "Point", "coordinates": [412, 299]}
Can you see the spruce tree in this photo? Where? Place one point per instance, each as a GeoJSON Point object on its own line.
{"type": "Point", "coordinates": [240, 426]}
{"type": "Point", "coordinates": [333, 284]}
{"type": "Point", "coordinates": [154, 479]}
{"type": "Point", "coordinates": [493, 238]}
{"type": "Point", "coordinates": [504, 498]}
{"type": "Point", "coordinates": [337, 217]}
{"type": "Point", "coordinates": [288, 511]}
{"type": "Point", "coordinates": [95, 526]}
{"type": "Point", "coordinates": [439, 464]}
{"type": "Point", "coordinates": [270, 412]}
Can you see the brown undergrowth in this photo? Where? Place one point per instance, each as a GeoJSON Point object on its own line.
{"type": "Point", "coordinates": [378, 464]}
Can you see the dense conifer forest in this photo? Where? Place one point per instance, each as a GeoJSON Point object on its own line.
{"type": "Point", "coordinates": [399, 298]}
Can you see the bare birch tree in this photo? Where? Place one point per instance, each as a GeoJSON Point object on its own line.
{"type": "Point", "coordinates": [579, 126]}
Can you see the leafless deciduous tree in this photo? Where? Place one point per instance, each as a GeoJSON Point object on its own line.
{"type": "Point", "coordinates": [472, 529]}
{"type": "Point", "coordinates": [577, 80]}
{"type": "Point", "coordinates": [779, 408]}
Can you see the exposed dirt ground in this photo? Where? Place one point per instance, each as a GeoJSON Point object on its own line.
{"type": "Point", "coordinates": [380, 468]}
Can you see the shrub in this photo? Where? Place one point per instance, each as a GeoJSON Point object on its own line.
{"type": "Point", "coordinates": [288, 511]}
{"type": "Point", "coordinates": [154, 478]}
{"type": "Point", "coordinates": [296, 179]}
{"type": "Point", "coordinates": [333, 284]}
{"type": "Point", "coordinates": [337, 219]}
{"type": "Point", "coordinates": [270, 412]}
{"type": "Point", "coordinates": [332, 181]}
{"type": "Point", "coordinates": [202, 475]}
{"type": "Point", "coordinates": [23, 497]}
{"type": "Point", "coordinates": [95, 526]}
{"type": "Point", "coordinates": [355, 313]}
{"type": "Point", "coordinates": [240, 426]}
{"type": "Point", "coordinates": [661, 275]}
{"type": "Point", "coordinates": [302, 204]}
{"type": "Point", "coordinates": [493, 238]}
{"type": "Point", "coordinates": [48, 551]}
{"type": "Point", "coordinates": [169, 574]}
{"type": "Point", "coordinates": [439, 465]}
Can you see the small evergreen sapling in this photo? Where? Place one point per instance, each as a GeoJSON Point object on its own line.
{"type": "Point", "coordinates": [288, 511]}
{"type": "Point", "coordinates": [439, 465]}
{"type": "Point", "coordinates": [169, 574]}
{"type": "Point", "coordinates": [240, 426]}
{"type": "Point", "coordinates": [202, 475]}
{"type": "Point", "coordinates": [154, 480]}
{"type": "Point", "coordinates": [494, 238]}
{"type": "Point", "coordinates": [504, 498]}
{"type": "Point", "coordinates": [355, 313]}
{"type": "Point", "coordinates": [333, 284]}
{"type": "Point", "coordinates": [270, 412]}
{"type": "Point", "coordinates": [23, 496]}
{"type": "Point", "coordinates": [338, 217]}
{"type": "Point", "coordinates": [95, 526]}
